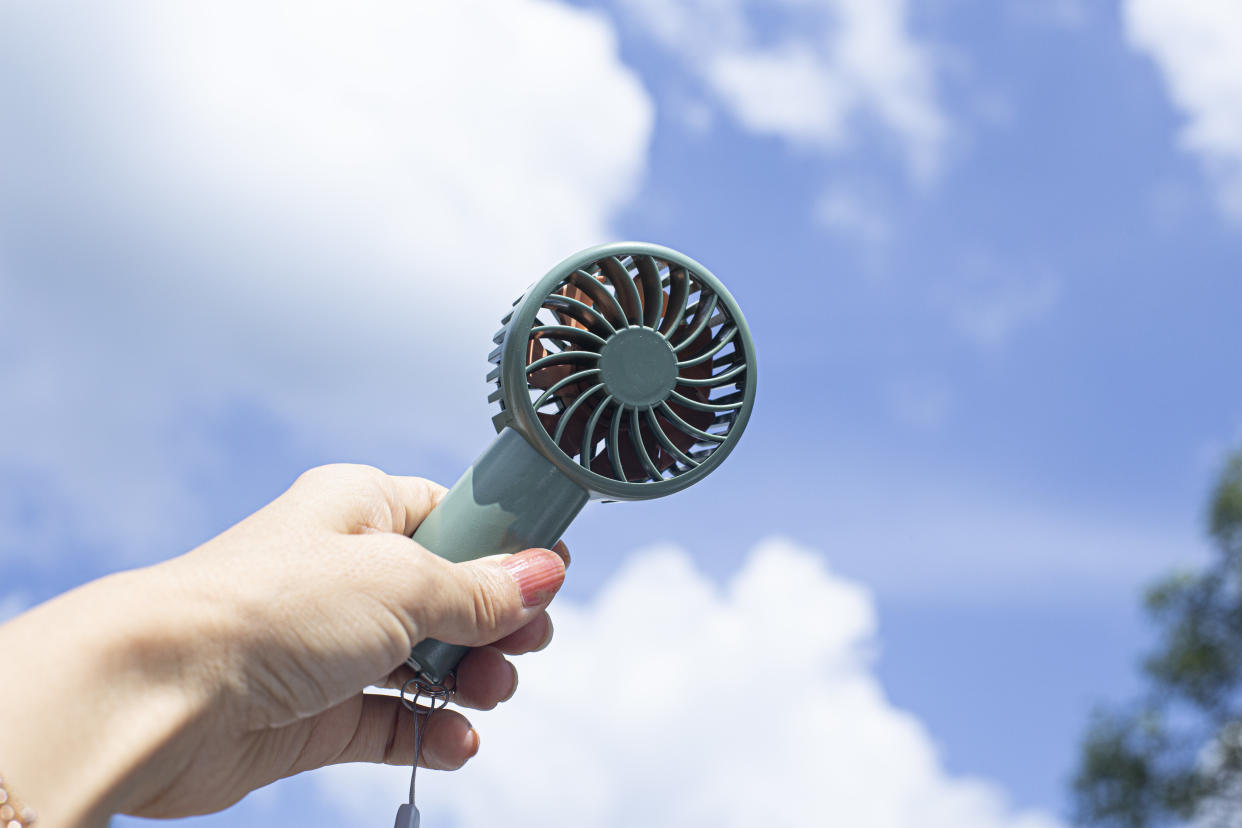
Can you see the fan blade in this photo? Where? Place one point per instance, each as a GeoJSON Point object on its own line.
{"type": "Point", "coordinates": [704, 406]}
{"type": "Point", "coordinates": [723, 378]}
{"type": "Point", "coordinates": [562, 383]}
{"type": "Point", "coordinates": [644, 458]}
{"type": "Point", "coordinates": [570, 334]}
{"type": "Point", "coordinates": [652, 289]}
{"type": "Point", "coordinates": [677, 422]}
{"type": "Point", "coordinates": [669, 444]}
{"type": "Point", "coordinates": [587, 458]}
{"type": "Point", "coordinates": [599, 295]}
{"type": "Point", "coordinates": [679, 294]}
{"type": "Point", "coordinates": [571, 423]}
{"type": "Point", "coordinates": [568, 308]}
{"type": "Point", "coordinates": [722, 339]}
{"type": "Point", "coordinates": [623, 284]}
{"type": "Point", "coordinates": [544, 378]}
{"type": "Point", "coordinates": [614, 444]}
{"type": "Point", "coordinates": [562, 358]}
{"type": "Point", "coordinates": [702, 318]}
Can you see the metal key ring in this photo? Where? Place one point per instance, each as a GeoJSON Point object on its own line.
{"type": "Point", "coordinates": [437, 695]}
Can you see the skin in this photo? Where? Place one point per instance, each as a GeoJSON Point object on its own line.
{"type": "Point", "coordinates": [179, 688]}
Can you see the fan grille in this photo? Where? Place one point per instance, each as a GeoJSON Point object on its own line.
{"type": "Point", "coordinates": [633, 365]}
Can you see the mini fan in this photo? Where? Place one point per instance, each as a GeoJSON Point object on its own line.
{"type": "Point", "coordinates": [626, 373]}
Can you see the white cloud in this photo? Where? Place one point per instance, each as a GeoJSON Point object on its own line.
{"type": "Point", "coordinates": [813, 73]}
{"type": "Point", "coordinates": [989, 302]}
{"type": "Point", "coordinates": [672, 701]}
{"type": "Point", "coordinates": [848, 213]}
{"type": "Point", "coordinates": [321, 207]}
{"type": "Point", "coordinates": [1198, 50]}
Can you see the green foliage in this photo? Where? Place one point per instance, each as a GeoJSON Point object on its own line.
{"type": "Point", "coordinates": [1177, 755]}
{"type": "Point", "coordinates": [1226, 515]}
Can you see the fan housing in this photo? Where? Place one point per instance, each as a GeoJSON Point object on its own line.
{"type": "Point", "coordinates": [629, 367]}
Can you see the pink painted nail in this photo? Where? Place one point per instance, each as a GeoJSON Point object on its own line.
{"type": "Point", "coordinates": [538, 573]}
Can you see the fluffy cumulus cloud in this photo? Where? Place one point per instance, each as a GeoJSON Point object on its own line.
{"type": "Point", "coordinates": [809, 72]}
{"type": "Point", "coordinates": [1198, 50]}
{"type": "Point", "coordinates": [313, 212]}
{"type": "Point", "coordinates": [671, 700]}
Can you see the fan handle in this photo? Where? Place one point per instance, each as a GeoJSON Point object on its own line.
{"type": "Point", "coordinates": [511, 499]}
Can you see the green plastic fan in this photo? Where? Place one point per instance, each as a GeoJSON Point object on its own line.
{"type": "Point", "coordinates": [626, 373]}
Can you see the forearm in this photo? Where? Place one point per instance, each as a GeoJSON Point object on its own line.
{"type": "Point", "coordinates": [98, 681]}
{"type": "Point", "coordinates": [178, 689]}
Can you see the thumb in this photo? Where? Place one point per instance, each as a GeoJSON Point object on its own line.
{"type": "Point", "coordinates": [482, 601]}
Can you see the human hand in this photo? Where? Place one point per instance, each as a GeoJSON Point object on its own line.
{"type": "Point", "coordinates": [244, 661]}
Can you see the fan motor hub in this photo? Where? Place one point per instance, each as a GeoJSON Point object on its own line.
{"type": "Point", "coordinates": [638, 367]}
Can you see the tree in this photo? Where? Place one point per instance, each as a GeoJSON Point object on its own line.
{"type": "Point", "coordinates": [1176, 755]}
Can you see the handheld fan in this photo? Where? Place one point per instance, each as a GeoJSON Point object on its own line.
{"type": "Point", "coordinates": [626, 373]}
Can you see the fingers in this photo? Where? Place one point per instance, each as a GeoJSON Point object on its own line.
{"type": "Point", "coordinates": [481, 601]}
{"type": "Point", "coordinates": [485, 678]}
{"type": "Point", "coordinates": [482, 682]}
{"type": "Point", "coordinates": [415, 498]}
{"type": "Point", "coordinates": [385, 734]}
{"type": "Point", "coordinates": [561, 549]}
{"type": "Point", "coordinates": [529, 639]}
{"type": "Point", "coordinates": [354, 499]}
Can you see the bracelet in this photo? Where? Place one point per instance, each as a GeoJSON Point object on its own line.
{"type": "Point", "coordinates": [13, 815]}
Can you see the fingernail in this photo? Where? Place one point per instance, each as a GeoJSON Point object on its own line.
{"type": "Point", "coordinates": [563, 550]}
{"type": "Point", "coordinates": [538, 573]}
{"type": "Point", "coordinates": [475, 749]}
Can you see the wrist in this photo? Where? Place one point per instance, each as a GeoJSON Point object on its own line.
{"type": "Point", "coordinates": [110, 677]}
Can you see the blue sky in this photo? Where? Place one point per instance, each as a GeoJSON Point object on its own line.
{"type": "Point", "coordinates": [989, 250]}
